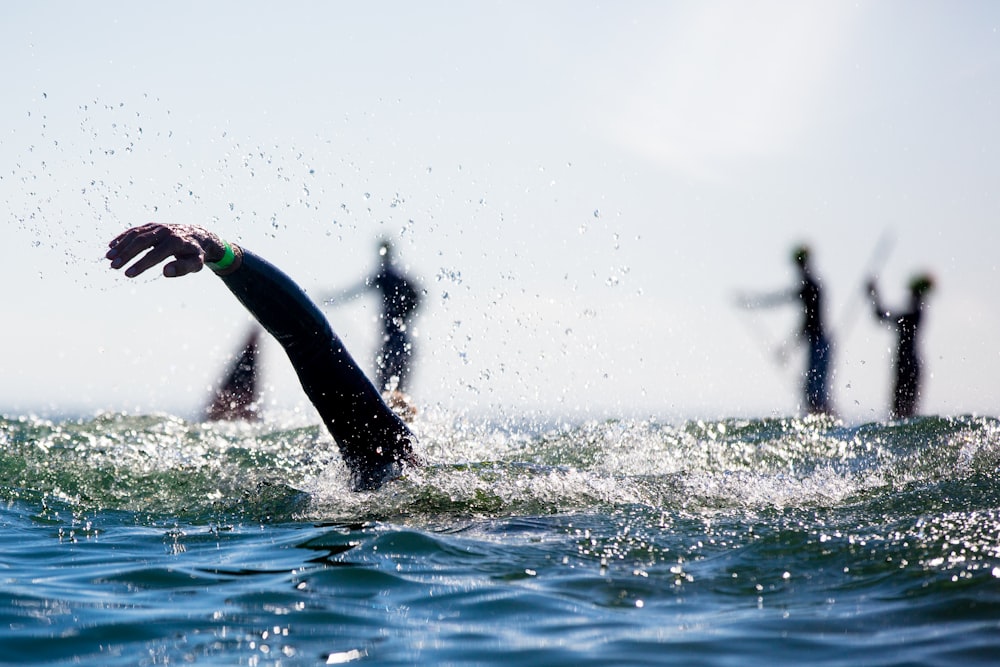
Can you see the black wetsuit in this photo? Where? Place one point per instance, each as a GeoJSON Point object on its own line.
{"type": "Point", "coordinates": [400, 300]}
{"type": "Point", "coordinates": [373, 440]}
{"type": "Point", "coordinates": [817, 391]}
{"type": "Point", "coordinates": [906, 390]}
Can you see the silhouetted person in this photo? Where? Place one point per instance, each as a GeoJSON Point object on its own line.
{"type": "Point", "coordinates": [906, 391]}
{"type": "Point", "coordinates": [400, 301]}
{"type": "Point", "coordinates": [237, 396]}
{"type": "Point", "coordinates": [400, 298]}
{"type": "Point", "coordinates": [809, 293]}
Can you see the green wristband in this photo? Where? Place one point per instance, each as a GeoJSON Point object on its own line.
{"type": "Point", "coordinates": [228, 257]}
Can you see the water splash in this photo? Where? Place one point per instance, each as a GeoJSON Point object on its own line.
{"type": "Point", "coordinates": [164, 465]}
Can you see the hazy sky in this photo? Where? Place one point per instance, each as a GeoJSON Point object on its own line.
{"type": "Point", "coordinates": [581, 188]}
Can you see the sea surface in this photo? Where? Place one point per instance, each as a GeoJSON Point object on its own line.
{"type": "Point", "coordinates": [151, 540]}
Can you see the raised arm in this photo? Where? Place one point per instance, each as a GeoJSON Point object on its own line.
{"type": "Point", "coordinates": [768, 300]}
{"type": "Point", "coordinates": [881, 313]}
{"type": "Point", "coordinates": [373, 440]}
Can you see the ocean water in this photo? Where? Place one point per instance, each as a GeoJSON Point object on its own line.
{"type": "Point", "coordinates": [150, 540]}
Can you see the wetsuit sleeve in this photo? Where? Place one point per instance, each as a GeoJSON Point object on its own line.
{"type": "Point", "coordinates": [371, 437]}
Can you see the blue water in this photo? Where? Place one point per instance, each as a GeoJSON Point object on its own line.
{"type": "Point", "coordinates": [149, 540]}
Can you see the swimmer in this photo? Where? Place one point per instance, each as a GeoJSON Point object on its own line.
{"type": "Point", "coordinates": [374, 442]}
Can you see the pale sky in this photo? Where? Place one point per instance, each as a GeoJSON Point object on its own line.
{"type": "Point", "coordinates": [581, 188]}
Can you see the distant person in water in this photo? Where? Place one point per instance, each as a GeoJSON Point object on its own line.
{"type": "Point", "coordinates": [374, 442]}
{"type": "Point", "coordinates": [400, 300]}
{"type": "Point", "coordinates": [237, 396]}
{"type": "Point", "coordinates": [906, 390]}
{"type": "Point", "coordinates": [808, 292]}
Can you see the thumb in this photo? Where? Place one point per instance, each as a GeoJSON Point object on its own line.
{"type": "Point", "coordinates": [183, 266]}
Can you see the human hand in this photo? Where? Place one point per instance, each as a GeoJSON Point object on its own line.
{"type": "Point", "coordinates": [190, 246]}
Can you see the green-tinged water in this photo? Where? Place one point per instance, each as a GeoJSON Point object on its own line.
{"type": "Point", "coordinates": [148, 540]}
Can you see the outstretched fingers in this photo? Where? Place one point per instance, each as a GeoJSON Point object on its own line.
{"type": "Point", "coordinates": [159, 242]}
{"type": "Point", "coordinates": [186, 260]}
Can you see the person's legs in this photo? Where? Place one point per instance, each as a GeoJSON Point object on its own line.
{"type": "Point", "coordinates": [906, 390]}
{"type": "Point", "coordinates": [393, 363]}
{"type": "Point", "coordinates": [817, 385]}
